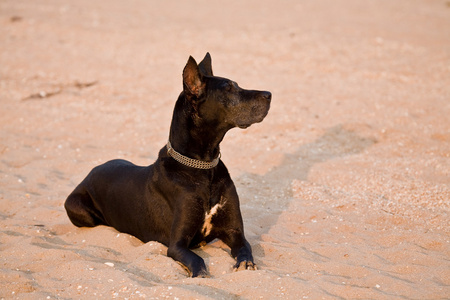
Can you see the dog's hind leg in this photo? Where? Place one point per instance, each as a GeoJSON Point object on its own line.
{"type": "Point", "coordinates": [81, 210]}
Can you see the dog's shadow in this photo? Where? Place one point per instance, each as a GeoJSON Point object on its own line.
{"type": "Point", "coordinates": [265, 197]}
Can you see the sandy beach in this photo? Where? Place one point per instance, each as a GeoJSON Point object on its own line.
{"type": "Point", "coordinates": [344, 187]}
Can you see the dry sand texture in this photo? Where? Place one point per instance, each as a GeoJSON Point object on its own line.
{"type": "Point", "coordinates": [344, 187]}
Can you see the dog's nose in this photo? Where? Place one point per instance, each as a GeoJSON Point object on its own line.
{"type": "Point", "coordinates": [267, 95]}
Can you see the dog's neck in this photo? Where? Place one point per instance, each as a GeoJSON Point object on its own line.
{"type": "Point", "coordinates": [196, 140]}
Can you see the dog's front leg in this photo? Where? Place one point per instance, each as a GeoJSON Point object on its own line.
{"type": "Point", "coordinates": [185, 225]}
{"type": "Point", "coordinates": [232, 232]}
{"type": "Point", "coordinates": [189, 260]}
{"type": "Point", "coordinates": [241, 250]}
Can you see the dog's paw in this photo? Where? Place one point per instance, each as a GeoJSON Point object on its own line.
{"type": "Point", "coordinates": [244, 265]}
{"type": "Point", "coordinates": [201, 274]}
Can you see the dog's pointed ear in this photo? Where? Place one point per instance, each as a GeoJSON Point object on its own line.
{"type": "Point", "coordinates": [205, 65]}
{"type": "Point", "coordinates": [192, 79]}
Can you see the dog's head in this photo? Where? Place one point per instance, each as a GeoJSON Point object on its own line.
{"type": "Point", "coordinates": [218, 100]}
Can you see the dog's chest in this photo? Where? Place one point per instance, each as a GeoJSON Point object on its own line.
{"type": "Point", "coordinates": [207, 225]}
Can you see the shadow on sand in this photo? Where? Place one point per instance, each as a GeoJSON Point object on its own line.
{"type": "Point", "coordinates": [273, 192]}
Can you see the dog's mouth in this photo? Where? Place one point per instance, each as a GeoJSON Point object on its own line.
{"type": "Point", "coordinates": [243, 126]}
{"type": "Point", "coordinates": [259, 117]}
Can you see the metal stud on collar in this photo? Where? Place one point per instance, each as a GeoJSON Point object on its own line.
{"type": "Point", "coordinates": [190, 162]}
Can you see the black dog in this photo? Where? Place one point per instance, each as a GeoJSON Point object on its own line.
{"type": "Point", "coordinates": [186, 198]}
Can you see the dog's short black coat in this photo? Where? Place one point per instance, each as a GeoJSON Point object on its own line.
{"type": "Point", "coordinates": [169, 202]}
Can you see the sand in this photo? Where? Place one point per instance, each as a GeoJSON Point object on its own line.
{"type": "Point", "coordinates": [344, 187]}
